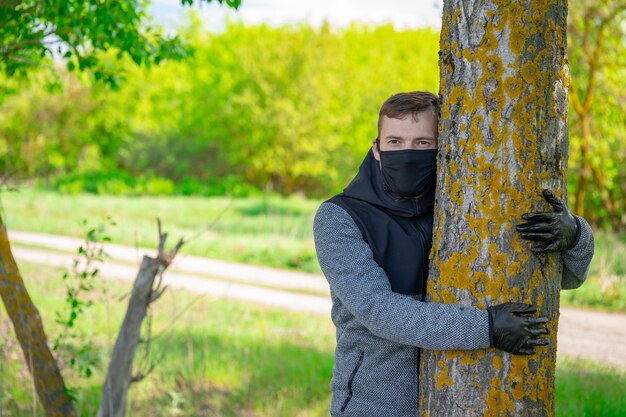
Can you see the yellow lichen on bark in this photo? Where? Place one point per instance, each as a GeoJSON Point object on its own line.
{"type": "Point", "coordinates": [502, 78]}
{"type": "Point", "coordinates": [29, 330]}
{"type": "Point", "coordinates": [443, 379]}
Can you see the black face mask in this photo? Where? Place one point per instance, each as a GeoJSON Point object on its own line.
{"type": "Point", "coordinates": [409, 173]}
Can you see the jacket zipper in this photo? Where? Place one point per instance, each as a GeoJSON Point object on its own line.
{"type": "Point", "coordinates": [416, 202]}
{"type": "Point", "coordinates": [419, 230]}
{"type": "Point", "coordinates": [418, 352]}
{"type": "Point", "coordinates": [356, 368]}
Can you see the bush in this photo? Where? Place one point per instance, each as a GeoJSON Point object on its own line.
{"type": "Point", "coordinates": [113, 183]}
{"type": "Point", "coordinates": [230, 185]}
{"type": "Point", "coordinates": [155, 186]}
{"type": "Point", "coordinates": [96, 182]}
{"type": "Point", "coordinates": [124, 184]}
{"type": "Point", "coordinates": [115, 186]}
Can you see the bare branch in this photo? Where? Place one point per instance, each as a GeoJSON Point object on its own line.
{"type": "Point", "coordinates": [159, 279]}
{"type": "Point", "coordinates": [169, 257]}
{"type": "Point", "coordinates": [140, 376]}
{"type": "Point", "coordinates": [156, 294]}
{"type": "Point", "coordinates": [162, 239]}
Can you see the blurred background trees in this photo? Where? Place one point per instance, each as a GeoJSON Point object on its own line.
{"type": "Point", "coordinates": [33, 31]}
{"type": "Point", "coordinates": [288, 109]}
{"type": "Point", "coordinates": [597, 56]}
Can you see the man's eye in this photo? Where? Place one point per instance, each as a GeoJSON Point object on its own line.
{"type": "Point", "coordinates": [393, 141]}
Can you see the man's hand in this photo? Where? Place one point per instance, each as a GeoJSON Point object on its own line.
{"type": "Point", "coordinates": [512, 331]}
{"type": "Point", "coordinates": [556, 231]}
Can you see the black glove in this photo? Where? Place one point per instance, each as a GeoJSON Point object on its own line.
{"type": "Point", "coordinates": [557, 230]}
{"type": "Point", "coordinates": [512, 331]}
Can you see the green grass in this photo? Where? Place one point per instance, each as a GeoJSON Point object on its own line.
{"type": "Point", "coordinates": [217, 358]}
{"type": "Point", "coordinates": [223, 358]}
{"type": "Point", "coordinates": [606, 286]}
{"type": "Point", "coordinates": [586, 389]}
{"type": "Point", "coordinates": [270, 231]}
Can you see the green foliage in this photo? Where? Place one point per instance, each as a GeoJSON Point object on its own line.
{"type": "Point", "coordinates": [71, 347]}
{"type": "Point", "coordinates": [597, 164]}
{"type": "Point", "coordinates": [31, 31]}
{"type": "Point", "coordinates": [121, 183]}
{"type": "Point", "coordinates": [113, 183]}
{"type": "Point", "coordinates": [44, 132]}
{"type": "Point", "coordinates": [285, 109]}
{"type": "Point", "coordinates": [230, 185]}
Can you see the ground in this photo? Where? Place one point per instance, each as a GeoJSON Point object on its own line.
{"type": "Point", "coordinates": [593, 335]}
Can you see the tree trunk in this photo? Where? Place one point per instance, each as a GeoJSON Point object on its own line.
{"type": "Point", "coordinates": [29, 330]}
{"type": "Point", "coordinates": [503, 138]}
{"type": "Point", "coordinates": [119, 375]}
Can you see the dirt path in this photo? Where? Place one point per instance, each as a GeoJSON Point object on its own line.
{"type": "Point", "coordinates": [593, 335]}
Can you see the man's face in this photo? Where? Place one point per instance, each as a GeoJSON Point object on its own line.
{"type": "Point", "coordinates": [402, 134]}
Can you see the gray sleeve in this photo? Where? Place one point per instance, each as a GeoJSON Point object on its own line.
{"type": "Point", "coordinates": [576, 260]}
{"type": "Point", "coordinates": [363, 288]}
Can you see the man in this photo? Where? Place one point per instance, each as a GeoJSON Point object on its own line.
{"type": "Point", "coordinates": [373, 242]}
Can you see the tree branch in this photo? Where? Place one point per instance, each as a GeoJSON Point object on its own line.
{"type": "Point", "coordinates": [597, 50]}
{"type": "Point", "coordinates": [575, 100]}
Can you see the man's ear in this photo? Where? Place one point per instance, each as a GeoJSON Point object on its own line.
{"type": "Point", "coordinates": [375, 150]}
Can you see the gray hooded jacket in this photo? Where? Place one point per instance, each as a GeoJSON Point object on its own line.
{"type": "Point", "coordinates": [379, 332]}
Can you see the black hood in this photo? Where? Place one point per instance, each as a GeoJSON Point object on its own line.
{"type": "Point", "coordinates": [368, 186]}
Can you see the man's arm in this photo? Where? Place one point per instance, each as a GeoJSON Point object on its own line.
{"type": "Point", "coordinates": [576, 259]}
{"type": "Point", "coordinates": [363, 288]}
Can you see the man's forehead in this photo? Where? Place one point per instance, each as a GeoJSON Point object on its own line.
{"type": "Point", "coordinates": [428, 114]}
{"type": "Point", "coordinates": [422, 122]}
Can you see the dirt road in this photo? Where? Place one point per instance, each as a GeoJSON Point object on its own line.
{"type": "Point", "coordinates": [593, 335]}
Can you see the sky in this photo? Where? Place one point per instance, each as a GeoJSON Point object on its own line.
{"type": "Point", "coordinates": [402, 13]}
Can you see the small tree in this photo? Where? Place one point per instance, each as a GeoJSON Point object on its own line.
{"type": "Point", "coordinates": [146, 290]}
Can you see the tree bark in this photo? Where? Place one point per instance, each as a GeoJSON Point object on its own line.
{"type": "Point", "coordinates": [29, 331]}
{"type": "Point", "coordinates": [503, 139]}
{"type": "Point", "coordinates": [119, 375]}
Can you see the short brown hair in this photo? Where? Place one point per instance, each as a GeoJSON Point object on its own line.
{"type": "Point", "coordinates": [412, 103]}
